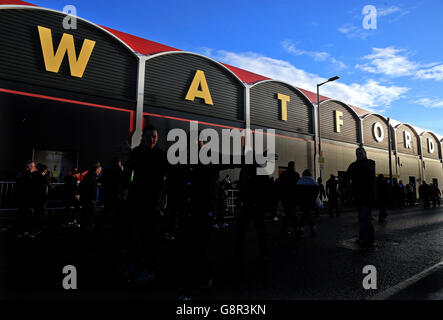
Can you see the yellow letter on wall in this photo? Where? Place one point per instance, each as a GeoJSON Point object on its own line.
{"type": "Point", "coordinates": [284, 99]}
{"type": "Point", "coordinates": [199, 88]}
{"type": "Point", "coordinates": [53, 61]}
{"type": "Point", "coordinates": [338, 120]}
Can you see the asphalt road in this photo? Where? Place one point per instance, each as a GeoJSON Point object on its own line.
{"type": "Point", "coordinates": [328, 266]}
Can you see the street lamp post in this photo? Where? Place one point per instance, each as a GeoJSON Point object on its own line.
{"type": "Point", "coordinates": [318, 119]}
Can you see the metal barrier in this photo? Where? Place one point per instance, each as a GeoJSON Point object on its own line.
{"type": "Point", "coordinates": [231, 201]}
{"type": "Point", "coordinates": [7, 194]}
{"type": "Point", "coordinates": [55, 193]}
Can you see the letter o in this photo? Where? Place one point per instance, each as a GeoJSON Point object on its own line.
{"type": "Point", "coordinates": [378, 132]}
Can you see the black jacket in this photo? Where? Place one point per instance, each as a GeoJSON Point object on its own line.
{"type": "Point", "coordinates": [255, 190]}
{"type": "Point", "coordinates": [148, 167]}
{"type": "Point", "coordinates": [362, 175]}
{"type": "Point", "coordinates": [24, 189]}
{"type": "Point", "coordinates": [332, 188]}
{"type": "Point", "coordinates": [288, 185]}
{"type": "Point", "coordinates": [88, 187]}
{"type": "Point", "coordinates": [307, 192]}
{"type": "Point", "coordinates": [383, 191]}
{"type": "Point", "coordinates": [192, 189]}
{"type": "Point", "coordinates": [70, 187]}
{"type": "Point", "coordinates": [39, 188]}
{"type": "Point", "coordinates": [113, 182]}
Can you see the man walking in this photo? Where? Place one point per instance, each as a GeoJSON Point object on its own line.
{"type": "Point", "coordinates": [362, 176]}
{"type": "Point", "coordinates": [332, 194]}
{"type": "Point", "coordinates": [382, 198]}
{"type": "Point", "coordinates": [145, 173]}
{"type": "Point", "coordinates": [24, 185]}
{"type": "Point", "coordinates": [288, 186]}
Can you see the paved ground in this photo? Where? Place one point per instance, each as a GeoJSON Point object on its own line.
{"type": "Point", "coordinates": [328, 266]}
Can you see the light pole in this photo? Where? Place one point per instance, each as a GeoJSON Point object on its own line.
{"type": "Point", "coordinates": [390, 151]}
{"type": "Point", "coordinates": [318, 120]}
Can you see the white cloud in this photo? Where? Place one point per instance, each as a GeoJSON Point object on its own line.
{"type": "Point", "coordinates": [353, 32]}
{"type": "Point", "coordinates": [383, 12]}
{"type": "Point", "coordinates": [370, 95]}
{"type": "Point", "coordinates": [389, 61]}
{"type": "Point", "coordinates": [435, 73]}
{"type": "Point", "coordinates": [387, 11]}
{"type": "Point", "coordinates": [317, 55]}
{"type": "Point", "coordinates": [395, 62]}
{"type": "Point", "coordinates": [430, 103]}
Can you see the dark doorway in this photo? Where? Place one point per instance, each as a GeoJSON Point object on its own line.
{"type": "Point", "coordinates": [58, 162]}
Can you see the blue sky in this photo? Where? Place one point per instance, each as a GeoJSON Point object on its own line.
{"type": "Point", "coordinates": [395, 69]}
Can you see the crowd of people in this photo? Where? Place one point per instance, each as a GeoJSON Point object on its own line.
{"type": "Point", "coordinates": [145, 187]}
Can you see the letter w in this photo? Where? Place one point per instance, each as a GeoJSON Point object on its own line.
{"type": "Point", "coordinates": [53, 61]}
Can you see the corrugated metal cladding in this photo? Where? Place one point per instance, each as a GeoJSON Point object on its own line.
{"type": "Point", "coordinates": [426, 148]}
{"type": "Point", "coordinates": [400, 140]}
{"type": "Point", "coordinates": [368, 132]}
{"type": "Point", "coordinates": [111, 71]}
{"type": "Point", "coordinates": [169, 76]}
{"type": "Point", "coordinates": [349, 131]}
{"type": "Point", "coordinates": [266, 108]}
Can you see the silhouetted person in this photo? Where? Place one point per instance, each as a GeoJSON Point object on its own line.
{"type": "Point", "coordinates": [192, 190]}
{"type": "Point", "coordinates": [145, 173]}
{"type": "Point", "coordinates": [424, 192]}
{"type": "Point", "coordinates": [24, 198]}
{"type": "Point", "coordinates": [362, 175]}
{"type": "Point", "coordinates": [435, 194]}
{"type": "Point", "coordinates": [343, 189]}
{"type": "Point", "coordinates": [40, 182]}
{"type": "Point", "coordinates": [396, 194]}
{"type": "Point", "coordinates": [410, 195]}
{"type": "Point", "coordinates": [288, 183]}
{"type": "Point", "coordinates": [382, 197]}
{"type": "Point", "coordinates": [88, 199]}
{"type": "Point", "coordinates": [72, 196]}
{"type": "Point", "coordinates": [192, 197]}
{"type": "Point", "coordinates": [332, 194]}
{"type": "Point", "coordinates": [254, 197]}
{"type": "Point", "coordinates": [113, 188]}
{"type": "Point", "coordinates": [275, 197]}
{"type": "Point", "coordinates": [402, 195]}
{"type": "Point", "coordinates": [321, 189]}
{"type": "Point", "coordinates": [321, 195]}
{"type": "Point", "coordinates": [307, 192]}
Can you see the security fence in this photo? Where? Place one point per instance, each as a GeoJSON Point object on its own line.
{"type": "Point", "coordinates": [10, 201]}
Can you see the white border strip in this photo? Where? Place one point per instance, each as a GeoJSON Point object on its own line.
{"type": "Point", "coordinates": [406, 283]}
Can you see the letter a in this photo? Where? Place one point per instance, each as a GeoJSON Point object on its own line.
{"type": "Point", "coordinates": [370, 18]}
{"type": "Point", "coordinates": [54, 61]}
{"type": "Point", "coordinates": [70, 281]}
{"type": "Point", "coordinates": [370, 281]}
{"type": "Point", "coordinates": [199, 88]}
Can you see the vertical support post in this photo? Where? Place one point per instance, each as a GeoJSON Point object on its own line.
{"type": "Point", "coordinates": [137, 135]}
{"type": "Point", "coordinates": [390, 150]}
